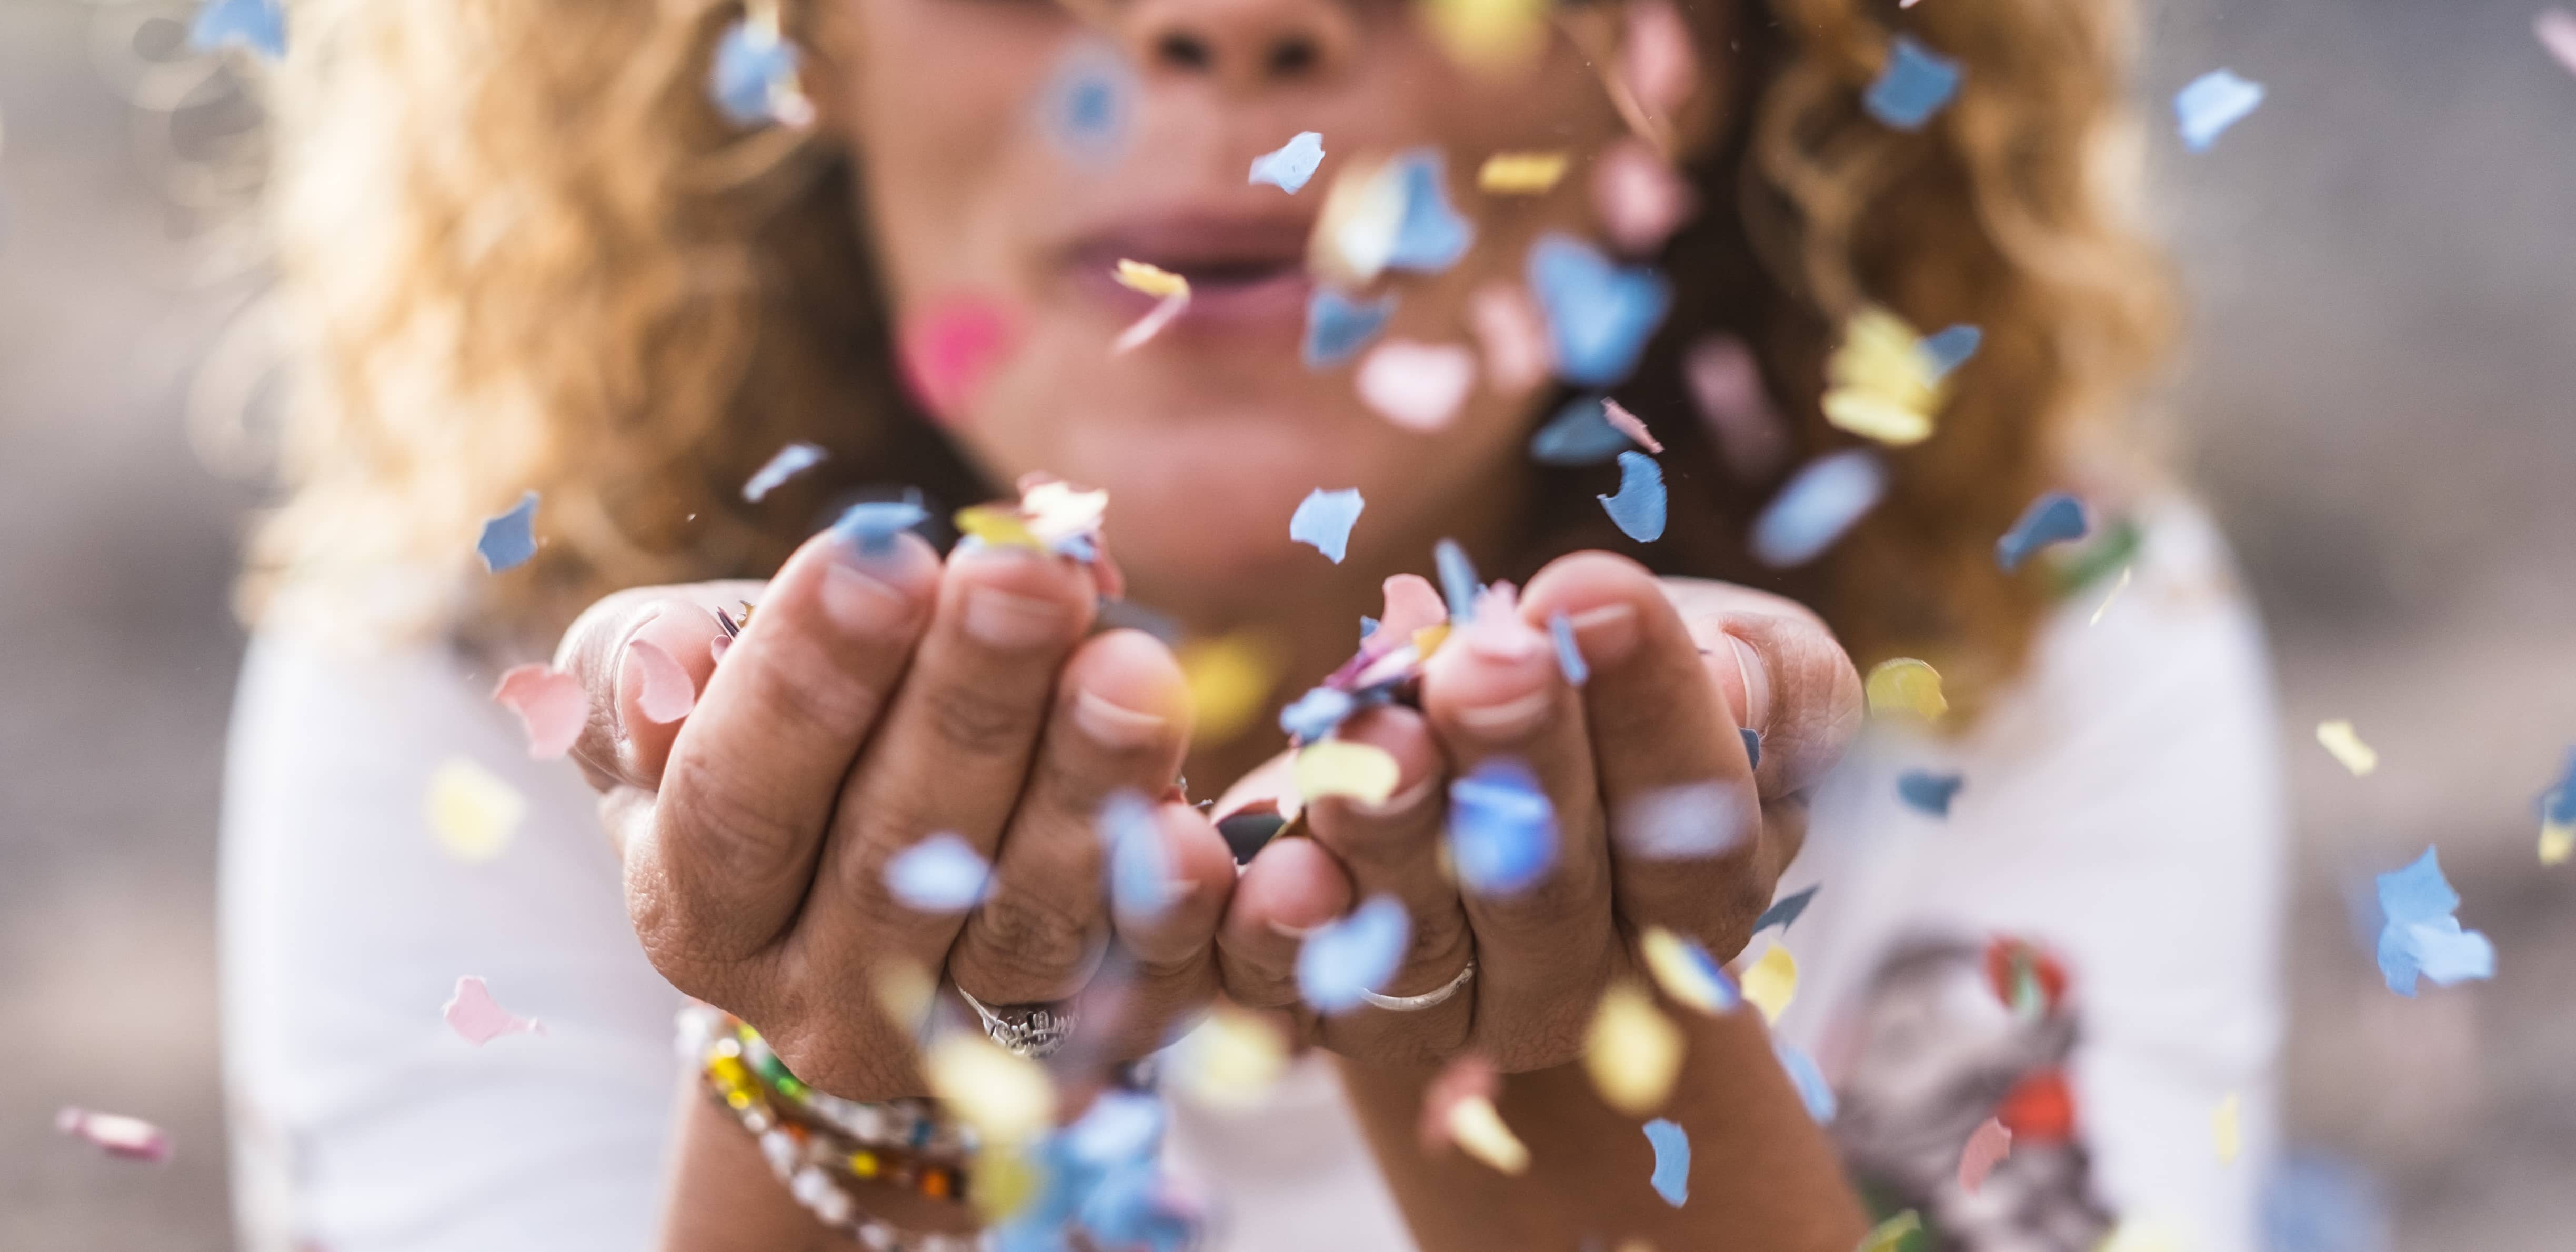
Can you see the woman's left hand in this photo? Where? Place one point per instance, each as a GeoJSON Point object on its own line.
{"type": "Point", "coordinates": [1662, 817]}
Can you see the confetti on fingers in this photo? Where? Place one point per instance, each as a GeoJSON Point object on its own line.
{"type": "Point", "coordinates": [551, 706]}
{"type": "Point", "coordinates": [667, 692]}
{"type": "Point", "coordinates": [1341, 959]}
{"type": "Point", "coordinates": [1350, 770]}
{"type": "Point", "coordinates": [1502, 829]}
{"type": "Point", "coordinates": [478, 1019]}
{"type": "Point", "coordinates": [122, 1137]}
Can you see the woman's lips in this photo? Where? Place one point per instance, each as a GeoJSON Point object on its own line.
{"type": "Point", "coordinates": [1244, 274]}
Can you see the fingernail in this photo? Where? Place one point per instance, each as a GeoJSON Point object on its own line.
{"type": "Point", "coordinates": [1286, 931]}
{"type": "Point", "coordinates": [1608, 633]}
{"type": "Point", "coordinates": [1401, 802]}
{"type": "Point", "coordinates": [859, 603]}
{"type": "Point", "coordinates": [1114, 725]}
{"type": "Point", "coordinates": [625, 668]}
{"type": "Point", "coordinates": [1497, 637]}
{"type": "Point", "coordinates": [1510, 719]}
{"type": "Point", "coordinates": [1756, 713]}
{"type": "Point", "coordinates": [999, 619]}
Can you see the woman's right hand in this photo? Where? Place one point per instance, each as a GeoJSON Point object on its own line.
{"type": "Point", "coordinates": [879, 697]}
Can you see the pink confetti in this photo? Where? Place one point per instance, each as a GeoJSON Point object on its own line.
{"type": "Point", "coordinates": [1412, 604]}
{"type": "Point", "coordinates": [549, 702]}
{"type": "Point", "coordinates": [1727, 384]}
{"type": "Point", "coordinates": [1656, 60]}
{"type": "Point", "coordinates": [1640, 199]}
{"type": "Point", "coordinates": [477, 1020]}
{"type": "Point", "coordinates": [1987, 1147]}
{"type": "Point", "coordinates": [127, 1138]}
{"type": "Point", "coordinates": [1418, 386]}
{"type": "Point", "coordinates": [1512, 337]}
{"type": "Point", "coordinates": [2557, 31]}
{"type": "Point", "coordinates": [950, 351]}
{"type": "Point", "coordinates": [668, 692]}
{"type": "Point", "coordinates": [1631, 425]}
{"type": "Point", "coordinates": [1152, 323]}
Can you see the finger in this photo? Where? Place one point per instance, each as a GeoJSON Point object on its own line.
{"type": "Point", "coordinates": [751, 779]}
{"type": "Point", "coordinates": [1166, 937]}
{"type": "Point", "coordinates": [1291, 887]}
{"type": "Point", "coordinates": [619, 744]}
{"type": "Point", "coordinates": [1120, 724]}
{"type": "Point", "coordinates": [1686, 825]}
{"type": "Point", "coordinates": [1786, 679]}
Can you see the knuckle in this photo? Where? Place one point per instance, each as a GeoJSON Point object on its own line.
{"type": "Point", "coordinates": [724, 832]}
{"type": "Point", "coordinates": [1033, 932]}
{"type": "Point", "coordinates": [976, 721]}
{"type": "Point", "coordinates": [807, 689]}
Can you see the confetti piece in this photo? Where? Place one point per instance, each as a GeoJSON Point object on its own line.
{"type": "Point", "coordinates": [1905, 686]}
{"type": "Point", "coordinates": [1337, 327]}
{"type": "Point", "coordinates": [1632, 1051]}
{"type": "Point", "coordinates": [1341, 959]}
{"type": "Point", "coordinates": [472, 811]}
{"type": "Point", "coordinates": [2557, 842]}
{"type": "Point", "coordinates": [2558, 817]}
{"type": "Point", "coordinates": [1087, 101]}
{"type": "Point", "coordinates": [2053, 518]}
{"type": "Point", "coordinates": [2225, 1134]}
{"type": "Point", "coordinates": [1579, 434]}
{"type": "Point", "coordinates": [1355, 230]}
{"type": "Point", "coordinates": [949, 351]}
{"type": "Point", "coordinates": [940, 874]}
{"type": "Point", "coordinates": [667, 692]}
{"type": "Point", "coordinates": [2212, 103]}
{"type": "Point", "coordinates": [997, 527]}
{"type": "Point", "coordinates": [1884, 384]}
{"type": "Point", "coordinates": [1599, 316]}
{"type": "Point", "coordinates": [1987, 1146]}
{"type": "Point", "coordinates": [551, 706]}
{"type": "Point", "coordinates": [1141, 883]}
{"type": "Point", "coordinates": [1915, 84]}
{"type": "Point", "coordinates": [1889, 1235]}
{"type": "Point", "coordinates": [1752, 746]}
{"type": "Point", "coordinates": [1785, 911]}
{"type": "Point", "coordinates": [1687, 973]}
{"type": "Point", "coordinates": [1639, 198]}
{"type": "Point", "coordinates": [509, 539]}
{"type": "Point", "coordinates": [1476, 1126]}
{"type": "Point", "coordinates": [1172, 290]}
{"type": "Point", "coordinates": [1638, 509]}
{"type": "Point", "coordinates": [794, 459]}
{"type": "Point", "coordinates": [2108, 597]}
{"type": "Point", "coordinates": [1726, 386]}
{"type": "Point", "coordinates": [1771, 982]}
{"type": "Point", "coordinates": [1418, 386]}
{"type": "Point", "coordinates": [1927, 792]}
{"type": "Point", "coordinates": [1822, 502]}
{"type": "Point", "coordinates": [2344, 743]}
{"type": "Point", "coordinates": [127, 1138]}
{"type": "Point", "coordinates": [1337, 767]}
{"type": "Point", "coordinates": [1569, 656]}
{"type": "Point", "coordinates": [1511, 337]}
{"type": "Point", "coordinates": [259, 25]}
{"type": "Point", "coordinates": [1672, 1160]}
{"type": "Point", "coordinates": [1458, 585]}
{"type": "Point", "coordinates": [1006, 1098]}
{"type": "Point", "coordinates": [1691, 821]}
{"type": "Point", "coordinates": [2556, 29]}
{"type": "Point", "coordinates": [478, 1019]}
{"type": "Point", "coordinates": [871, 525]}
{"type": "Point", "coordinates": [1231, 1060]}
{"type": "Point", "coordinates": [1290, 166]}
{"type": "Point", "coordinates": [1629, 425]}
{"type": "Point", "coordinates": [1467, 1076]}
{"type": "Point", "coordinates": [1324, 519]}
{"type": "Point", "coordinates": [2420, 934]}
{"type": "Point", "coordinates": [1430, 235]}
{"type": "Point", "coordinates": [1520, 173]}
{"type": "Point", "coordinates": [1314, 714]}
{"type": "Point", "coordinates": [1488, 36]}
{"type": "Point", "coordinates": [1953, 347]}
{"type": "Point", "coordinates": [1502, 829]}
{"type": "Point", "coordinates": [753, 81]}
{"type": "Point", "coordinates": [1813, 1090]}
{"type": "Point", "coordinates": [1151, 280]}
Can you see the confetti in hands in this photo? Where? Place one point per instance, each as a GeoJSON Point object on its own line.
{"type": "Point", "coordinates": [2420, 934]}
{"type": "Point", "coordinates": [478, 1019]}
{"type": "Point", "coordinates": [1358, 953]}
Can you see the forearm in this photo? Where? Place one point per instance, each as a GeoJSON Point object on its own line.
{"type": "Point", "coordinates": [721, 1196]}
{"type": "Point", "coordinates": [1762, 1173]}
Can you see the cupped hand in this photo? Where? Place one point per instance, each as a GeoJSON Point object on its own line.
{"type": "Point", "coordinates": [876, 698]}
{"type": "Point", "coordinates": [1663, 816]}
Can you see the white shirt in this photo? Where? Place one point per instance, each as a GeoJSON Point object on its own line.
{"type": "Point", "coordinates": [2121, 808]}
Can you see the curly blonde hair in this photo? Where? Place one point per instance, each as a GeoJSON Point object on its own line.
{"type": "Point", "coordinates": [521, 251]}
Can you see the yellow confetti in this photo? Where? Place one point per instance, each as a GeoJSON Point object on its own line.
{"type": "Point", "coordinates": [1004, 1181]}
{"type": "Point", "coordinates": [1489, 36]}
{"type": "Point", "coordinates": [2556, 842]}
{"type": "Point", "coordinates": [1772, 982]}
{"type": "Point", "coordinates": [1231, 1060]}
{"type": "Point", "coordinates": [1882, 383]}
{"type": "Point", "coordinates": [1888, 1235]}
{"type": "Point", "coordinates": [473, 811]}
{"type": "Point", "coordinates": [1478, 1129]}
{"type": "Point", "coordinates": [1520, 173]}
{"type": "Point", "coordinates": [904, 991]}
{"type": "Point", "coordinates": [1006, 1098]}
{"type": "Point", "coordinates": [997, 526]}
{"type": "Point", "coordinates": [1428, 640]}
{"type": "Point", "coordinates": [1688, 976]}
{"type": "Point", "coordinates": [1355, 232]}
{"type": "Point", "coordinates": [1150, 279]}
{"type": "Point", "coordinates": [1632, 1051]}
{"type": "Point", "coordinates": [1906, 686]}
{"type": "Point", "coordinates": [2339, 738]}
{"type": "Point", "coordinates": [1339, 767]}
{"type": "Point", "coordinates": [1230, 679]}
{"type": "Point", "coordinates": [2224, 1132]}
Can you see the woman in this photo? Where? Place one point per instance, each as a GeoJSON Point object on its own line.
{"type": "Point", "coordinates": [528, 253]}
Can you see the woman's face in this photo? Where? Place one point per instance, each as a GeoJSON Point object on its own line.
{"type": "Point", "coordinates": [1208, 435]}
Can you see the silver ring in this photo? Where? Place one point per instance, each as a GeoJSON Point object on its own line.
{"type": "Point", "coordinates": [1415, 1004]}
{"type": "Point", "coordinates": [1035, 1031]}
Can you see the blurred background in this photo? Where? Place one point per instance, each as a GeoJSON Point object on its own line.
{"type": "Point", "coordinates": [2376, 397]}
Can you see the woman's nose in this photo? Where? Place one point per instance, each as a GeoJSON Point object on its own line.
{"type": "Point", "coordinates": [1243, 43]}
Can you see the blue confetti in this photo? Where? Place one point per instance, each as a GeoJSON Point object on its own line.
{"type": "Point", "coordinates": [1430, 236]}
{"type": "Point", "coordinates": [1599, 316]}
{"type": "Point", "coordinates": [259, 25]}
{"type": "Point", "coordinates": [1502, 830]}
{"type": "Point", "coordinates": [1672, 1160]}
{"type": "Point", "coordinates": [1639, 507]}
{"type": "Point", "coordinates": [1824, 500]}
{"type": "Point", "coordinates": [871, 525]}
{"type": "Point", "coordinates": [1952, 347]}
{"type": "Point", "coordinates": [1569, 658]}
{"type": "Point", "coordinates": [1927, 792]}
{"type": "Point", "coordinates": [2319, 1202]}
{"type": "Point", "coordinates": [1337, 327]}
{"type": "Point", "coordinates": [1916, 84]}
{"type": "Point", "coordinates": [794, 459]}
{"type": "Point", "coordinates": [2212, 103]}
{"type": "Point", "coordinates": [940, 874]}
{"type": "Point", "coordinates": [1316, 713]}
{"type": "Point", "coordinates": [1784, 911]}
{"type": "Point", "coordinates": [1324, 519]}
{"type": "Point", "coordinates": [2420, 935]}
{"type": "Point", "coordinates": [1368, 626]}
{"type": "Point", "coordinates": [1140, 870]}
{"type": "Point", "coordinates": [1087, 101]}
{"type": "Point", "coordinates": [1813, 1090]}
{"type": "Point", "coordinates": [1292, 164]}
{"type": "Point", "coordinates": [1458, 583]}
{"type": "Point", "coordinates": [1752, 747]}
{"type": "Point", "coordinates": [1119, 1127]}
{"type": "Point", "coordinates": [2558, 805]}
{"type": "Point", "coordinates": [1579, 434]}
{"type": "Point", "coordinates": [510, 539]}
{"type": "Point", "coordinates": [2053, 518]}
{"type": "Point", "coordinates": [1358, 953]}
{"type": "Point", "coordinates": [751, 63]}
